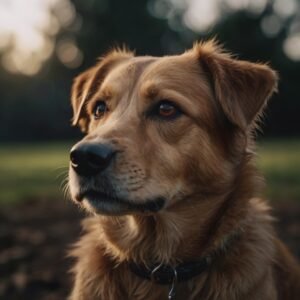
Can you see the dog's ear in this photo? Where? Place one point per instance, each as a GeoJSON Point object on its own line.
{"type": "Point", "coordinates": [78, 96]}
{"type": "Point", "coordinates": [241, 88]}
{"type": "Point", "coordinates": [88, 83]}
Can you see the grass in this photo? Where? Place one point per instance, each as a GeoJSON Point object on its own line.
{"type": "Point", "coordinates": [37, 170]}
{"type": "Point", "coordinates": [32, 170]}
{"type": "Point", "coordinates": [279, 161]}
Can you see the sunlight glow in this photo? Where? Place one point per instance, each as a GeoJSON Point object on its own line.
{"type": "Point", "coordinates": [292, 47]}
{"type": "Point", "coordinates": [69, 54]}
{"type": "Point", "coordinates": [271, 25]}
{"type": "Point", "coordinates": [254, 6]}
{"type": "Point", "coordinates": [28, 29]}
{"type": "Point", "coordinates": [202, 15]}
{"type": "Point", "coordinates": [285, 8]}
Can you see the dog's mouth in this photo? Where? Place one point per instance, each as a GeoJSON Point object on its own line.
{"type": "Point", "coordinates": [106, 204]}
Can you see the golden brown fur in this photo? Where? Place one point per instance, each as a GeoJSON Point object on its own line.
{"type": "Point", "coordinates": [202, 163]}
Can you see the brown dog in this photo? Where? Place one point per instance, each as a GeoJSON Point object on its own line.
{"type": "Point", "coordinates": [167, 171]}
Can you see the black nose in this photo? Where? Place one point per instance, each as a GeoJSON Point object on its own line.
{"type": "Point", "coordinates": [88, 159]}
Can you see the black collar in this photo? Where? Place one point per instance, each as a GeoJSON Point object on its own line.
{"type": "Point", "coordinates": [167, 274]}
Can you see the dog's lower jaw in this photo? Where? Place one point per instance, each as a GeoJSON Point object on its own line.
{"type": "Point", "coordinates": [111, 206]}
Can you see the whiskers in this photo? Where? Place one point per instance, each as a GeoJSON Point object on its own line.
{"type": "Point", "coordinates": [63, 177]}
{"type": "Point", "coordinates": [61, 172]}
{"type": "Point", "coordinates": [65, 187]}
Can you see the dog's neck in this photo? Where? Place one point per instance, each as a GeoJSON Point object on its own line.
{"type": "Point", "coordinates": [189, 230]}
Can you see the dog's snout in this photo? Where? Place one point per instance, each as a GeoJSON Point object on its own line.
{"type": "Point", "coordinates": [88, 159]}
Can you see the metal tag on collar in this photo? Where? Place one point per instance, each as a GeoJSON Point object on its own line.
{"type": "Point", "coordinates": [172, 291]}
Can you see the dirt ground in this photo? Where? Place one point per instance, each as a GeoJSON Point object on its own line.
{"type": "Point", "coordinates": [35, 236]}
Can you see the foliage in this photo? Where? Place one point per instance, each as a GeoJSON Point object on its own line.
{"type": "Point", "coordinates": [37, 108]}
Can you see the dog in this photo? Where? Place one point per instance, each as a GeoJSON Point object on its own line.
{"type": "Point", "coordinates": [167, 172]}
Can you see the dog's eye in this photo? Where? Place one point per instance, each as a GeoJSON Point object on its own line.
{"type": "Point", "coordinates": [167, 110]}
{"type": "Point", "coordinates": [99, 110]}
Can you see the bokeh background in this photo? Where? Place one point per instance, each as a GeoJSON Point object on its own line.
{"type": "Point", "coordinates": [45, 43]}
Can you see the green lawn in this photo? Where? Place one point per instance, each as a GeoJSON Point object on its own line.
{"type": "Point", "coordinates": [32, 170]}
{"type": "Point", "coordinates": [280, 164]}
{"type": "Point", "coordinates": [38, 170]}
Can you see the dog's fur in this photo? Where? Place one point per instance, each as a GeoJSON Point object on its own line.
{"type": "Point", "coordinates": [202, 163]}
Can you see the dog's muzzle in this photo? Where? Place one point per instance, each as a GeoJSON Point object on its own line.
{"type": "Point", "coordinates": [91, 163]}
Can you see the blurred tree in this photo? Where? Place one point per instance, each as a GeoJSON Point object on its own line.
{"type": "Point", "coordinates": [37, 107]}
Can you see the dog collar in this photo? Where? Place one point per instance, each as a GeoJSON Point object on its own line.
{"type": "Point", "coordinates": [166, 274]}
{"type": "Point", "coordinates": [171, 275]}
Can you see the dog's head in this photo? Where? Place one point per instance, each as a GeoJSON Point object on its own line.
{"type": "Point", "coordinates": [163, 129]}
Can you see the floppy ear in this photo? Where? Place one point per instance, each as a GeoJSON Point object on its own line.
{"type": "Point", "coordinates": [241, 88]}
{"type": "Point", "coordinates": [78, 96]}
{"type": "Point", "coordinates": [86, 85]}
